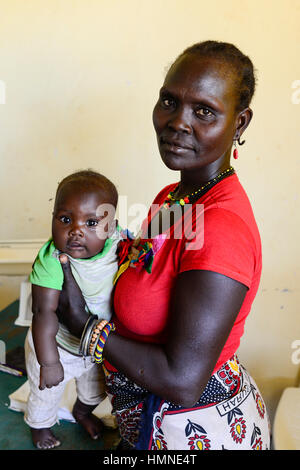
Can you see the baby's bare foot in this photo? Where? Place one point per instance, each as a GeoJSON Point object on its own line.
{"type": "Point", "coordinates": [83, 415]}
{"type": "Point", "coordinates": [44, 438]}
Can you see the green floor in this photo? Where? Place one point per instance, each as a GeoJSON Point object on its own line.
{"type": "Point", "coordinates": [14, 433]}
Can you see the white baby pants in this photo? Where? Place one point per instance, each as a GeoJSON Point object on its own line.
{"type": "Point", "coordinates": [42, 405]}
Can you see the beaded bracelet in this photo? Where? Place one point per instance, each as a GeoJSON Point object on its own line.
{"type": "Point", "coordinates": [101, 342]}
{"type": "Point", "coordinates": [96, 332]}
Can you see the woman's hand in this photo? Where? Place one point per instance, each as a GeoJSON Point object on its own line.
{"type": "Point", "coordinates": [71, 308]}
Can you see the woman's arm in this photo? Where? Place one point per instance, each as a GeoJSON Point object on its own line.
{"type": "Point", "coordinates": [204, 308]}
{"type": "Point", "coordinates": [44, 330]}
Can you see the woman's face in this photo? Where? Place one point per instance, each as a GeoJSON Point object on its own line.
{"type": "Point", "coordinates": [195, 118]}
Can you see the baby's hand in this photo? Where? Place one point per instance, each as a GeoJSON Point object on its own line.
{"type": "Point", "coordinates": [51, 375]}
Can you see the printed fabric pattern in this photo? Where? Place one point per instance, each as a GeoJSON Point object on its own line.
{"type": "Point", "coordinates": [230, 414]}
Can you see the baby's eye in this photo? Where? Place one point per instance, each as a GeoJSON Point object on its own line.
{"type": "Point", "coordinates": [204, 112]}
{"type": "Point", "coordinates": [92, 223]}
{"type": "Point", "coordinates": [64, 219]}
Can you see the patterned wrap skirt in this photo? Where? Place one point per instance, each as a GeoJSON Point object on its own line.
{"type": "Point", "coordinates": [230, 414]}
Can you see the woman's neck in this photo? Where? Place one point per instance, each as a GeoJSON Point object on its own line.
{"type": "Point", "coordinates": [191, 180]}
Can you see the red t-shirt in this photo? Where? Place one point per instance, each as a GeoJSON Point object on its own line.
{"type": "Point", "coordinates": [228, 243]}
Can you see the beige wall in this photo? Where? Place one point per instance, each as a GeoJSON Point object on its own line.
{"type": "Point", "coordinates": [81, 78]}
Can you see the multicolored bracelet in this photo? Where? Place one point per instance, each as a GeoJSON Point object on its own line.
{"type": "Point", "coordinates": [101, 341]}
{"type": "Point", "coordinates": [95, 335]}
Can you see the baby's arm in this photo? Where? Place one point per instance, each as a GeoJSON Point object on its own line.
{"type": "Point", "coordinates": [44, 330]}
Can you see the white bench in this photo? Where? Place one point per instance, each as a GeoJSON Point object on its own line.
{"type": "Point", "coordinates": [286, 427]}
{"type": "Point", "coordinates": [16, 259]}
{"type": "Point", "coordinates": [17, 256]}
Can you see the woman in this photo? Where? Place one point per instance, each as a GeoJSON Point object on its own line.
{"type": "Point", "coordinates": [171, 366]}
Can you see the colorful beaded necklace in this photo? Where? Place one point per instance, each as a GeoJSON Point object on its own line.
{"type": "Point", "coordinates": [191, 198]}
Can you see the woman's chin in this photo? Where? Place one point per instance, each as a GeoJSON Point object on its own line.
{"type": "Point", "coordinates": [175, 164]}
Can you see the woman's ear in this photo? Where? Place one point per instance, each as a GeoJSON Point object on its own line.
{"type": "Point", "coordinates": [243, 121]}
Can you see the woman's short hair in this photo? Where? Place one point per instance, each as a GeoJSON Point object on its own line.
{"type": "Point", "coordinates": [229, 54]}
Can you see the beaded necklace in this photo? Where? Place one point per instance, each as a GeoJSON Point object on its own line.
{"type": "Point", "coordinates": [191, 198]}
{"type": "Point", "coordinates": [133, 253]}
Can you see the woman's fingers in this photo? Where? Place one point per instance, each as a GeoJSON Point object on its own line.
{"type": "Point", "coordinates": [63, 259]}
{"type": "Point", "coordinates": [68, 276]}
{"type": "Point", "coordinates": [65, 264]}
{"type": "Point", "coordinates": [72, 309]}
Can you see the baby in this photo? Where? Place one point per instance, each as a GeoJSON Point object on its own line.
{"type": "Point", "coordinates": [89, 239]}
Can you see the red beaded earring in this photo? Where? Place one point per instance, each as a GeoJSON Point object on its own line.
{"type": "Point", "coordinates": [235, 152]}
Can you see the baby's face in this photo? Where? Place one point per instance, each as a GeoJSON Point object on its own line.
{"type": "Point", "coordinates": [77, 230]}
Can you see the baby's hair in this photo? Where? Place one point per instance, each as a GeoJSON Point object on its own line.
{"type": "Point", "coordinates": [90, 178]}
{"type": "Point", "coordinates": [229, 54]}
